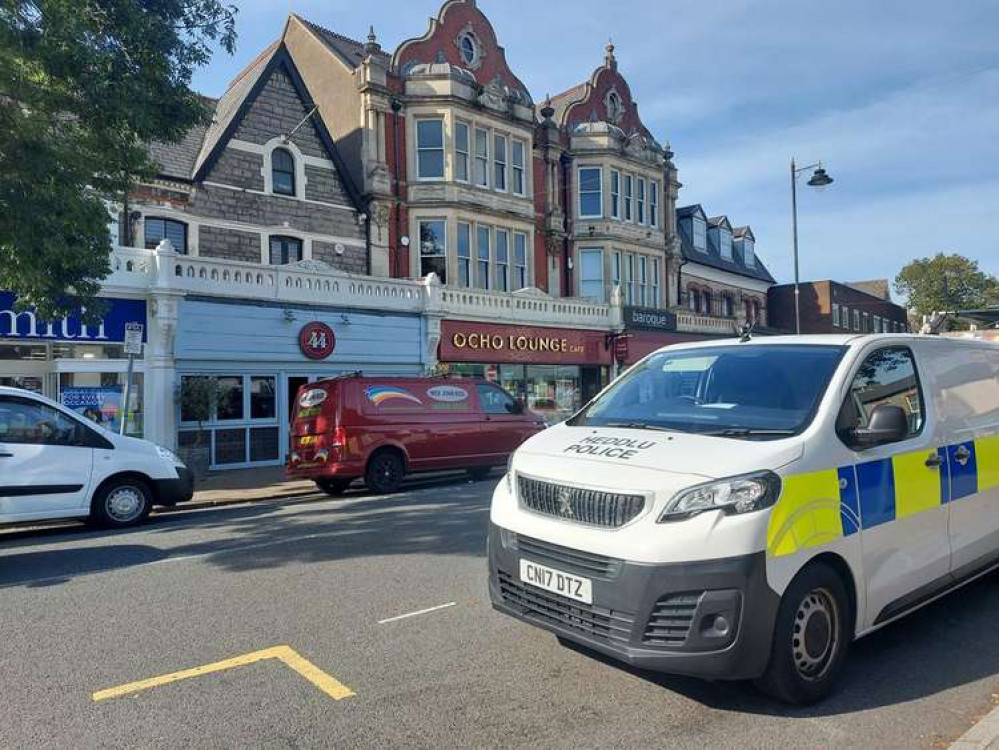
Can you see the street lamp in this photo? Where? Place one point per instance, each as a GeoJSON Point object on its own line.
{"type": "Point", "coordinates": [820, 179]}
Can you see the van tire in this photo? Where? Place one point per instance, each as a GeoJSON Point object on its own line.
{"type": "Point", "coordinates": [812, 635]}
{"type": "Point", "coordinates": [334, 487]}
{"type": "Point", "coordinates": [121, 502]}
{"type": "Point", "coordinates": [384, 472]}
{"type": "Point", "coordinates": [479, 473]}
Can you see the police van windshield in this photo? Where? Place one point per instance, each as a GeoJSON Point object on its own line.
{"type": "Point", "coordinates": [755, 391]}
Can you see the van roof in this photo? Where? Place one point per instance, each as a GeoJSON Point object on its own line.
{"type": "Point", "coordinates": [830, 339]}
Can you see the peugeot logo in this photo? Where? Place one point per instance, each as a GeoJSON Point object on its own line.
{"type": "Point", "coordinates": [565, 502]}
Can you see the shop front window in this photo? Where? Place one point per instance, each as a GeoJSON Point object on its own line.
{"type": "Point", "coordinates": [100, 397]}
{"type": "Point", "coordinates": [263, 400]}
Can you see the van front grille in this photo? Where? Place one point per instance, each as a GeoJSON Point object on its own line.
{"type": "Point", "coordinates": [671, 618]}
{"type": "Point", "coordinates": [595, 622]}
{"type": "Point", "coordinates": [609, 510]}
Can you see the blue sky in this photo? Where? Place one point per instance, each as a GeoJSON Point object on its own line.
{"type": "Point", "coordinates": [898, 98]}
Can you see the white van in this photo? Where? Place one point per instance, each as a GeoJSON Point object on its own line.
{"type": "Point", "coordinates": [55, 464]}
{"type": "Point", "coordinates": [744, 510]}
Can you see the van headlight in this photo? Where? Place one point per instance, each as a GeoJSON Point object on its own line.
{"type": "Point", "coordinates": [168, 455]}
{"type": "Point", "coordinates": [509, 474]}
{"type": "Point", "coordinates": [742, 494]}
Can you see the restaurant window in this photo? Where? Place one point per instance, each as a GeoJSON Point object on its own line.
{"type": "Point", "coordinates": [655, 300]}
{"type": "Point", "coordinates": [157, 230]}
{"type": "Point", "coordinates": [461, 151]}
{"type": "Point", "coordinates": [282, 172]}
{"type": "Point", "coordinates": [430, 149]}
{"type": "Point", "coordinates": [520, 260]}
{"type": "Point", "coordinates": [591, 274]}
{"type": "Point", "coordinates": [502, 260]}
{"type": "Point", "coordinates": [464, 254]}
{"type": "Point", "coordinates": [481, 164]}
{"type": "Point", "coordinates": [285, 250]}
{"type": "Point", "coordinates": [518, 149]}
{"type": "Point", "coordinates": [499, 162]}
{"type": "Point", "coordinates": [615, 191]}
{"type": "Point", "coordinates": [641, 201]}
{"type": "Point", "coordinates": [433, 248]}
{"type": "Point", "coordinates": [482, 257]}
{"type": "Point", "coordinates": [590, 193]}
{"type": "Point", "coordinates": [628, 196]}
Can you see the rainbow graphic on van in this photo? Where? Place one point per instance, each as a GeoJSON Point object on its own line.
{"type": "Point", "coordinates": [380, 394]}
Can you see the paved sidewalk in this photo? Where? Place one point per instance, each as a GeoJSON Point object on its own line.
{"type": "Point", "coordinates": [247, 485]}
{"type": "Point", "coordinates": [984, 735]}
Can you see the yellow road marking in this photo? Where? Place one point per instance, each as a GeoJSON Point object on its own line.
{"type": "Point", "coordinates": [287, 655]}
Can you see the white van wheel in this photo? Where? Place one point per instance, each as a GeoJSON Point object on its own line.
{"type": "Point", "coordinates": [121, 502]}
{"type": "Point", "coordinates": [811, 637]}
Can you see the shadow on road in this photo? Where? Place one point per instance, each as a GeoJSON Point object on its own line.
{"type": "Point", "coordinates": [949, 643]}
{"type": "Point", "coordinates": [437, 517]}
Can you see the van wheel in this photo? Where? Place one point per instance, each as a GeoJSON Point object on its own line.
{"type": "Point", "coordinates": [479, 473]}
{"type": "Point", "coordinates": [120, 503]}
{"type": "Point", "coordinates": [384, 473]}
{"type": "Point", "coordinates": [811, 638]}
{"type": "Point", "coordinates": [333, 487]}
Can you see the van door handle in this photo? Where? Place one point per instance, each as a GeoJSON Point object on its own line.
{"type": "Point", "coordinates": [934, 461]}
{"type": "Point", "coordinates": [962, 455]}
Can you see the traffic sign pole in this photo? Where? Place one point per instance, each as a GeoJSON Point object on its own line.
{"type": "Point", "coordinates": [133, 347]}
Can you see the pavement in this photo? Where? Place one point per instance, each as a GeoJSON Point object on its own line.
{"type": "Point", "coordinates": [364, 622]}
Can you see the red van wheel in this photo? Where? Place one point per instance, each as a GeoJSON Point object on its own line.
{"type": "Point", "coordinates": [385, 472]}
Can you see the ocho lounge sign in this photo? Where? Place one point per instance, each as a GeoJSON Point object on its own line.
{"type": "Point", "coordinates": [463, 341]}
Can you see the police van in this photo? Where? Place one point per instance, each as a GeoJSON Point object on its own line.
{"type": "Point", "coordinates": [746, 509]}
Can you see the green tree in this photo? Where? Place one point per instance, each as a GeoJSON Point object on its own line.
{"type": "Point", "coordinates": [84, 86]}
{"type": "Point", "coordinates": [946, 283]}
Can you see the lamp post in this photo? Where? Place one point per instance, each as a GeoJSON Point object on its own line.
{"type": "Point", "coordinates": [818, 180]}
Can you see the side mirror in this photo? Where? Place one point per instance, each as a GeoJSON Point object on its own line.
{"type": "Point", "coordinates": [888, 424]}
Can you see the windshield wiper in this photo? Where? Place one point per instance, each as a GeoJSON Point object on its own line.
{"type": "Point", "coordinates": [747, 432]}
{"type": "Point", "coordinates": [638, 426]}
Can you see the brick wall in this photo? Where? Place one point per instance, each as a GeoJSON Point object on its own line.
{"type": "Point", "coordinates": [325, 185]}
{"type": "Point", "coordinates": [352, 260]}
{"type": "Point", "coordinates": [816, 302]}
{"type": "Point", "coordinates": [238, 168]}
{"type": "Point", "coordinates": [214, 242]}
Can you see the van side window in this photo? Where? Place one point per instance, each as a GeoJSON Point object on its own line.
{"type": "Point", "coordinates": [26, 422]}
{"type": "Point", "coordinates": [887, 376]}
{"type": "Point", "coordinates": [496, 401]}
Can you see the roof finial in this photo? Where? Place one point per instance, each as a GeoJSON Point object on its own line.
{"type": "Point", "coordinates": [547, 110]}
{"type": "Point", "coordinates": [372, 45]}
{"type": "Point", "coordinates": [609, 59]}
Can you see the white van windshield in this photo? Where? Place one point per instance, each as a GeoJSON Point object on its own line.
{"type": "Point", "coordinates": [754, 392]}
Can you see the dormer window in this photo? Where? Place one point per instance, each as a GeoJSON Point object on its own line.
{"type": "Point", "coordinates": [725, 244]}
{"type": "Point", "coordinates": [700, 235]}
{"type": "Point", "coordinates": [282, 171]}
{"type": "Point", "coordinates": [749, 252]}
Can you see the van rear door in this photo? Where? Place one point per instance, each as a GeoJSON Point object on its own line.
{"type": "Point", "coordinates": [316, 412]}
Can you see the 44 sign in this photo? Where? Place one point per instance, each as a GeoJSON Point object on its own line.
{"type": "Point", "coordinates": [316, 340]}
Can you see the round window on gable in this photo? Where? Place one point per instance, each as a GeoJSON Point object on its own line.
{"type": "Point", "coordinates": [469, 47]}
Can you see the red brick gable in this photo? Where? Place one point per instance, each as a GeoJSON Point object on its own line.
{"type": "Point", "coordinates": [594, 99]}
{"type": "Point", "coordinates": [440, 41]}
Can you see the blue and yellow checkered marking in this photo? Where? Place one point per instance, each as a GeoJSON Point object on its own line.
{"type": "Point", "coordinates": [822, 506]}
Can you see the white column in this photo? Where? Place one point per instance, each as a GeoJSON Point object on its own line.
{"type": "Point", "coordinates": [159, 393]}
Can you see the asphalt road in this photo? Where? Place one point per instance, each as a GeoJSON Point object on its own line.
{"type": "Point", "coordinates": [81, 611]}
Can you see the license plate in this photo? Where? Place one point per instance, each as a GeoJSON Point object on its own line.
{"type": "Point", "coordinates": [549, 579]}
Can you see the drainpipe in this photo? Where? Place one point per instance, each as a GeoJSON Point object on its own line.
{"type": "Point", "coordinates": [565, 161]}
{"type": "Point", "coordinates": [396, 187]}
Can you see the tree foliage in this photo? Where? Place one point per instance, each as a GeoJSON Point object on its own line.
{"type": "Point", "coordinates": [946, 283]}
{"type": "Point", "coordinates": [84, 86]}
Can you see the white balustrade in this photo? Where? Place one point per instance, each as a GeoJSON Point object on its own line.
{"type": "Point", "coordinates": [688, 322]}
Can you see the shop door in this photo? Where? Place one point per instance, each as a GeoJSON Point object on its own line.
{"type": "Point", "coordinates": [293, 385]}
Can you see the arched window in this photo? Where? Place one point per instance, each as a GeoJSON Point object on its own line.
{"type": "Point", "coordinates": [706, 303]}
{"type": "Point", "coordinates": [282, 171]}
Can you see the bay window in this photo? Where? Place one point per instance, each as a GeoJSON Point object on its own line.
{"type": "Point", "coordinates": [502, 260]}
{"type": "Point", "coordinates": [461, 151]}
{"type": "Point", "coordinates": [629, 279]}
{"type": "Point", "coordinates": [629, 190]}
{"type": "Point", "coordinates": [433, 248]}
{"type": "Point", "coordinates": [482, 157]}
{"type": "Point", "coordinates": [520, 260]}
{"type": "Point", "coordinates": [482, 257]}
{"type": "Point", "coordinates": [464, 254]}
{"type": "Point", "coordinates": [591, 274]}
{"type": "Point", "coordinates": [430, 149]}
{"type": "Point", "coordinates": [643, 280]}
{"type": "Point", "coordinates": [590, 193]}
{"type": "Point", "coordinates": [615, 190]}
{"type": "Point", "coordinates": [641, 200]}
{"type": "Point", "coordinates": [654, 203]}
{"type": "Point", "coordinates": [656, 273]}
{"type": "Point", "coordinates": [518, 151]}
{"type": "Point", "coordinates": [499, 162]}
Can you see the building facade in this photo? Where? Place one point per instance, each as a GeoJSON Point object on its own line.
{"type": "Point", "coordinates": [834, 307]}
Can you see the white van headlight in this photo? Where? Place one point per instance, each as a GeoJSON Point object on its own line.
{"type": "Point", "coordinates": [742, 494]}
{"type": "Point", "coordinates": [168, 455]}
{"type": "Point", "coordinates": [509, 474]}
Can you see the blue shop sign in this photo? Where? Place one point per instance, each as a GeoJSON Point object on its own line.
{"type": "Point", "coordinates": [111, 328]}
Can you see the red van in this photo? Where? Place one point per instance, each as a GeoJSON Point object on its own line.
{"type": "Point", "coordinates": [383, 428]}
